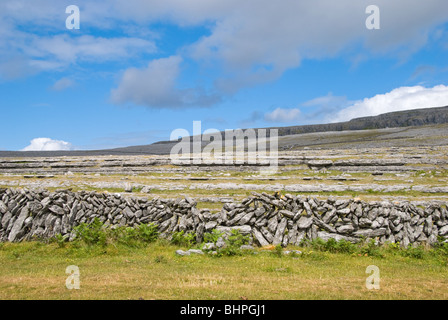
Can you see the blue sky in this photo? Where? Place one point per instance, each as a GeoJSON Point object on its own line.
{"type": "Point", "coordinates": [138, 69]}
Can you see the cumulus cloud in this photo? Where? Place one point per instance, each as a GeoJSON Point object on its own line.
{"type": "Point", "coordinates": [315, 109]}
{"type": "Point", "coordinates": [156, 86]}
{"type": "Point", "coordinates": [62, 84]}
{"type": "Point", "coordinates": [256, 41]}
{"type": "Point", "coordinates": [47, 144]}
{"type": "Point", "coordinates": [87, 48]}
{"type": "Point", "coordinates": [28, 54]}
{"type": "Point", "coordinates": [248, 43]}
{"type": "Point", "coordinates": [403, 98]}
{"type": "Point", "coordinates": [281, 115]}
{"type": "Point", "coordinates": [330, 108]}
{"type": "Point", "coordinates": [262, 39]}
{"type": "Point", "coordinates": [33, 39]}
{"type": "Point", "coordinates": [328, 101]}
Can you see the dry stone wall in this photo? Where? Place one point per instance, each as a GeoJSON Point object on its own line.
{"type": "Point", "coordinates": [268, 219]}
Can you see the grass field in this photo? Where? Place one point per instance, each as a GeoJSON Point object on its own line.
{"type": "Point", "coordinates": [36, 270]}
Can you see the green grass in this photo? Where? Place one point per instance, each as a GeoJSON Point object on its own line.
{"type": "Point", "coordinates": [35, 270]}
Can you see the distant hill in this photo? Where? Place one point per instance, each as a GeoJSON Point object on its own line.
{"type": "Point", "coordinates": [408, 118]}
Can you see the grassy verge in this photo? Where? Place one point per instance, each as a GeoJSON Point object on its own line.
{"type": "Point", "coordinates": [35, 270]}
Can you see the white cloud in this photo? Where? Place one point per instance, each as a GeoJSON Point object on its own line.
{"type": "Point", "coordinates": [68, 49]}
{"type": "Point", "coordinates": [62, 84]}
{"type": "Point", "coordinates": [283, 115]}
{"type": "Point", "coordinates": [262, 39]}
{"type": "Point", "coordinates": [403, 98]}
{"type": "Point", "coordinates": [26, 54]}
{"type": "Point", "coordinates": [248, 43]}
{"type": "Point", "coordinates": [152, 85]}
{"type": "Point", "coordinates": [155, 86]}
{"type": "Point", "coordinates": [328, 101]}
{"type": "Point", "coordinates": [47, 144]}
{"type": "Point", "coordinates": [315, 109]}
{"type": "Point", "coordinates": [32, 40]}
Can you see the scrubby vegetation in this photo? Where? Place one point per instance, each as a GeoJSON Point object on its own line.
{"type": "Point", "coordinates": [96, 234]}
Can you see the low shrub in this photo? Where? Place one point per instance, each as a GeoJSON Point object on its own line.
{"type": "Point", "coordinates": [212, 237]}
{"type": "Point", "coordinates": [233, 242]}
{"type": "Point", "coordinates": [92, 233]}
{"type": "Point", "coordinates": [147, 233]}
{"type": "Point", "coordinates": [95, 233]}
{"type": "Point", "coordinates": [184, 239]}
{"type": "Point", "coordinates": [278, 250]}
{"type": "Point", "coordinates": [413, 252]}
{"type": "Point", "coordinates": [60, 240]}
{"type": "Point", "coordinates": [370, 248]}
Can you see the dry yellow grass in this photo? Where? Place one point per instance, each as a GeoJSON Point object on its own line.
{"type": "Point", "coordinates": [37, 271]}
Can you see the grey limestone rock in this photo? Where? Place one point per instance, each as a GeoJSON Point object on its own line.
{"type": "Point", "coordinates": [326, 236]}
{"type": "Point", "coordinates": [305, 222]}
{"type": "Point", "coordinates": [287, 213]}
{"type": "Point", "coordinates": [182, 253]}
{"type": "Point", "coordinates": [195, 251]}
{"type": "Point", "coordinates": [278, 237]}
{"type": "Point", "coordinates": [370, 233]}
{"type": "Point", "coordinates": [259, 237]}
{"type": "Point", "coordinates": [220, 243]}
{"type": "Point", "coordinates": [443, 231]}
{"type": "Point", "coordinates": [347, 228]}
{"type": "Point", "coordinates": [18, 224]}
{"type": "Point", "coordinates": [208, 246]}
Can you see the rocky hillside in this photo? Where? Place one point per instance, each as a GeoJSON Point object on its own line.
{"type": "Point", "coordinates": [408, 118]}
{"type": "Point", "coordinates": [431, 118]}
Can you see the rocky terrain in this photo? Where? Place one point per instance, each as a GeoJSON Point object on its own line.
{"type": "Point", "coordinates": [408, 118]}
{"type": "Point", "coordinates": [367, 172]}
